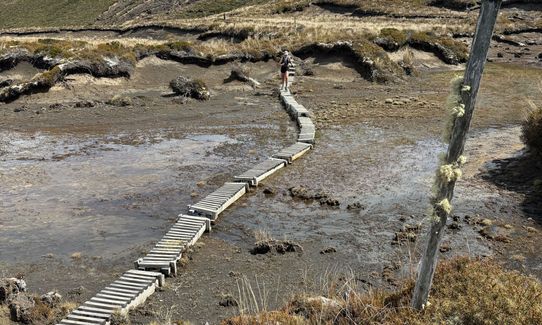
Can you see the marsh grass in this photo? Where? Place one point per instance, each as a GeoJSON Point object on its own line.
{"type": "Point", "coordinates": [465, 291]}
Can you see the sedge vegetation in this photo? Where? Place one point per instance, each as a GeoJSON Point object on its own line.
{"type": "Point", "coordinates": [465, 291]}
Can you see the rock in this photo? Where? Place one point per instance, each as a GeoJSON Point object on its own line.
{"type": "Point", "coordinates": [539, 56]}
{"type": "Point", "coordinates": [355, 206]}
{"type": "Point", "coordinates": [485, 222]}
{"type": "Point", "coordinates": [387, 44]}
{"type": "Point", "coordinates": [328, 250]}
{"type": "Point", "coordinates": [388, 101]}
{"type": "Point", "coordinates": [77, 291]}
{"type": "Point", "coordinates": [531, 229]}
{"type": "Point", "coordinates": [11, 58]}
{"type": "Point", "coordinates": [409, 233]}
{"type": "Point", "coordinates": [228, 301]}
{"type": "Point", "coordinates": [6, 83]}
{"type": "Point", "coordinates": [10, 287]}
{"type": "Point", "coordinates": [500, 55]}
{"type": "Point", "coordinates": [240, 72]}
{"type": "Point", "coordinates": [444, 247]}
{"type": "Point", "coordinates": [324, 302]}
{"type": "Point", "coordinates": [85, 104]}
{"type": "Point", "coordinates": [51, 298]}
{"type": "Point", "coordinates": [329, 201]}
{"type": "Point", "coordinates": [56, 106]}
{"type": "Point", "coordinates": [489, 232]}
{"type": "Point", "coordinates": [495, 233]}
{"type": "Point", "coordinates": [234, 274]}
{"type": "Point", "coordinates": [454, 226]}
{"type": "Point", "coordinates": [269, 191]}
{"type": "Point", "coordinates": [281, 247]}
{"type": "Point", "coordinates": [120, 101]}
{"type": "Point", "coordinates": [288, 247]}
{"type": "Point", "coordinates": [19, 109]}
{"type": "Point", "coordinates": [190, 88]}
{"type": "Point", "coordinates": [20, 308]}
{"type": "Point", "coordinates": [262, 247]}
{"type": "Point", "coordinates": [304, 193]}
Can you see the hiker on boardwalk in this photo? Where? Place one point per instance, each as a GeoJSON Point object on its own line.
{"type": "Point", "coordinates": [284, 66]}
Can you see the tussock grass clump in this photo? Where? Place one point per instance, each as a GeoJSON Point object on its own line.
{"type": "Point", "coordinates": [394, 35]}
{"type": "Point", "coordinates": [531, 130]}
{"type": "Point", "coordinates": [112, 49]}
{"type": "Point", "coordinates": [284, 6]}
{"type": "Point", "coordinates": [464, 291]}
{"type": "Point", "coordinates": [446, 48]}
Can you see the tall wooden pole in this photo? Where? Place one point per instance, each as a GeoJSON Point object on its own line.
{"type": "Point", "coordinates": [460, 126]}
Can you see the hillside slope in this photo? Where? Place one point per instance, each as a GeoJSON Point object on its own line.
{"type": "Point", "coordinates": [62, 13]}
{"type": "Point", "coordinates": [50, 13]}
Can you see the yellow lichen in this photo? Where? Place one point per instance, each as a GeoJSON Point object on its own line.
{"type": "Point", "coordinates": [452, 103]}
{"type": "Point", "coordinates": [444, 205]}
{"type": "Point", "coordinates": [465, 88]}
{"type": "Point", "coordinates": [459, 111]}
{"type": "Point", "coordinates": [446, 173]}
{"type": "Point", "coordinates": [462, 160]}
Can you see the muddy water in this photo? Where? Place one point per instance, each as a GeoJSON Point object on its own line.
{"type": "Point", "coordinates": [374, 167]}
{"type": "Point", "coordinates": [62, 195]}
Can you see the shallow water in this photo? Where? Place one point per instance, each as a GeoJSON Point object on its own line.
{"type": "Point", "coordinates": [94, 195]}
{"type": "Point", "coordinates": [389, 176]}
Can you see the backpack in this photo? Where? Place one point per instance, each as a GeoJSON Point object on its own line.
{"type": "Point", "coordinates": [286, 61]}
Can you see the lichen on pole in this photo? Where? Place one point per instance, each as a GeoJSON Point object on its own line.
{"type": "Point", "coordinates": [464, 94]}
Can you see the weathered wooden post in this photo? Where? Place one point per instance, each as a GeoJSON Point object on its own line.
{"type": "Point", "coordinates": [463, 100]}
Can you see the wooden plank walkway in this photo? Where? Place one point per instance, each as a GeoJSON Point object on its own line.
{"type": "Point", "coordinates": [293, 152]}
{"type": "Point", "coordinates": [135, 286]}
{"type": "Point", "coordinates": [168, 251]}
{"type": "Point", "coordinates": [128, 292]}
{"type": "Point", "coordinates": [261, 171]}
{"type": "Point", "coordinates": [213, 204]}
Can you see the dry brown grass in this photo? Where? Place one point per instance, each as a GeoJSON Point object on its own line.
{"type": "Point", "coordinates": [532, 127]}
{"type": "Point", "coordinates": [4, 315]}
{"type": "Point", "coordinates": [464, 291]}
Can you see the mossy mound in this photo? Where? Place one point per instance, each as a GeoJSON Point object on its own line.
{"type": "Point", "coordinates": [187, 87]}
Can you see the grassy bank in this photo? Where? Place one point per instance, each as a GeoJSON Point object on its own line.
{"type": "Point", "coordinates": [464, 291]}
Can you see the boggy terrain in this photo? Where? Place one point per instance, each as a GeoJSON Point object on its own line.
{"type": "Point", "coordinates": [94, 169]}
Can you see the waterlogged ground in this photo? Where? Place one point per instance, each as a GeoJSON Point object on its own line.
{"type": "Point", "coordinates": [108, 181]}
{"type": "Point", "coordinates": [62, 195]}
{"type": "Point", "coordinates": [383, 157]}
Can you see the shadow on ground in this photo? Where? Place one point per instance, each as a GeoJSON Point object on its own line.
{"type": "Point", "coordinates": [521, 174]}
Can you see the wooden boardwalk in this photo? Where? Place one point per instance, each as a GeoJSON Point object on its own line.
{"type": "Point", "coordinates": [136, 285]}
